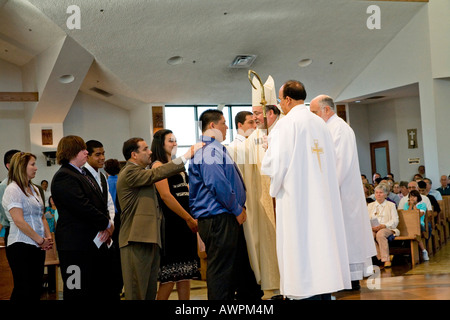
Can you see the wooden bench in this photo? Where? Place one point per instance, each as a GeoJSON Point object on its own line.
{"type": "Point", "coordinates": [409, 226]}
{"type": "Point", "coordinates": [52, 264]}
{"type": "Point", "coordinates": [443, 225]}
{"type": "Point", "coordinates": [435, 234]}
{"type": "Point", "coordinates": [446, 217]}
{"type": "Point", "coordinates": [6, 278]}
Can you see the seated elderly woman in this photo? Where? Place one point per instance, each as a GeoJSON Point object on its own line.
{"type": "Point", "coordinates": [415, 203]}
{"type": "Point", "coordinates": [384, 219]}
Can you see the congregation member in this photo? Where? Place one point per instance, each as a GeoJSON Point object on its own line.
{"type": "Point", "coordinates": [217, 199]}
{"type": "Point", "coordinates": [29, 235]}
{"type": "Point", "coordinates": [245, 125]}
{"type": "Point", "coordinates": [141, 217]}
{"type": "Point", "coordinates": [403, 189]}
{"type": "Point", "coordinates": [4, 222]}
{"type": "Point", "coordinates": [179, 258]}
{"type": "Point", "coordinates": [444, 189]}
{"type": "Point", "coordinates": [361, 247]}
{"type": "Point", "coordinates": [310, 231]}
{"type": "Point", "coordinates": [436, 194]}
{"type": "Point", "coordinates": [384, 221]}
{"type": "Point", "coordinates": [415, 203]}
{"type": "Point", "coordinates": [84, 226]}
{"type": "Point", "coordinates": [413, 185]}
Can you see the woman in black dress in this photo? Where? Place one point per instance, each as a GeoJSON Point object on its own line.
{"type": "Point", "coordinates": [179, 257]}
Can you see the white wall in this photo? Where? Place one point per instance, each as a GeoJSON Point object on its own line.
{"type": "Point", "coordinates": [13, 132]}
{"type": "Point", "coordinates": [442, 89]}
{"type": "Point", "coordinates": [360, 125]}
{"type": "Point", "coordinates": [420, 52]}
{"type": "Point", "coordinates": [95, 119]}
{"type": "Point", "coordinates": [388, 120]}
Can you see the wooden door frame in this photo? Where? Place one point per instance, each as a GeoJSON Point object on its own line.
{"type": "Point", "coordinates": [376, 145]}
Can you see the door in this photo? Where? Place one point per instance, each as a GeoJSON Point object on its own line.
{"type": "Point", "coordinates": [379, 155]}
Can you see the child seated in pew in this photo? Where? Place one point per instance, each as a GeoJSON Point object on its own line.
{"type": "Point", "coordinates": [415, 203]}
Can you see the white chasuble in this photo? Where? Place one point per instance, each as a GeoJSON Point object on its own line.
{"type": "Point", "coordinates": [259, 229]}
{"type": "Point", "coordinates": [311, 241]}
{"type": "Point", "coordinates": [361, 245]}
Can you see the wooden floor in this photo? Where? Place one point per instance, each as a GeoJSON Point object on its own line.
{"type": "Point", "coordinates": [427, 281]}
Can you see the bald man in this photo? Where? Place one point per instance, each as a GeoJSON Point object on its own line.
{"type": "Point", "coordinates": [360, 242]}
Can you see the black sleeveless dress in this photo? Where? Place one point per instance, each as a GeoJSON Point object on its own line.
{"type": "Point", "coordinates": [179, 257]}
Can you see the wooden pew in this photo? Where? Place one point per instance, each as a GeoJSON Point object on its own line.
{"type": "Point", "coordinates": [435, 237]}
{"type": "Point", "coordinates": [409, 226]}
{"type": "Point", "coordinates": [446, 199]}
{"type": "Point", "coordinates": [443, 221]}
{"type": "Point", "coordinates": [6, 278]}
{"type": "Point", "coordinates": [52, 264]}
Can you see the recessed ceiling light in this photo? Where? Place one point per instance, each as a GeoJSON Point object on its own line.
{"type": "Point", "coordinates": [304, 62]}
{"type": "Point", "coordinates": [67, 78]}
{"type": "Point", "coordinates": [175, 60]}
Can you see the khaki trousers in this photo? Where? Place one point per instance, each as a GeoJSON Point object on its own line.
{"type": "Point", "coordinates": [140, 267]}
{"type": "Point", "coordinates": [381, 243]}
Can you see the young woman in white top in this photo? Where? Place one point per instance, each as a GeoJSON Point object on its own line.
{"type": "Point", "coordinates": [29, 234]}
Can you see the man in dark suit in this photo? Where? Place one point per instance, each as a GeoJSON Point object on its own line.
{"type": "Point", "coordinates": [83, 218]}
{"type": "Point", "coordinates": [95, 162]}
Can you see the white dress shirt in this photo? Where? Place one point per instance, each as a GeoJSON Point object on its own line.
{"type": "Point", "coordinates": [96, 174]}
{"type": "Point", "coordinates": [239, 139]}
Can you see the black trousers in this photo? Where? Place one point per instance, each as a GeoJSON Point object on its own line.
{"type": "Point", "coordinates": [27, 265]}
{"type": "Point", "coordinates": [228, 274]}
{"type": "Point", "coordinates": [88, 274]}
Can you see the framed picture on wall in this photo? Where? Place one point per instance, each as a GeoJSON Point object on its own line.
{"type": "Point", "coordinates": [158, 118]}
{"type": "Point", "coordinates": [47, 137]}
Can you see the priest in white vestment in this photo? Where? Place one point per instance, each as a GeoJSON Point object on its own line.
{"type": "Point", "coordinates": [300, 161]}
{"type": "Point", "coordinates": [259, 229]}
{"type": "Point", "coordinates": [354, 207]}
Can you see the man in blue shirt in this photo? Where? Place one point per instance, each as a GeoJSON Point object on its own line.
{"type": "Point", "coordinates": [217, 199]}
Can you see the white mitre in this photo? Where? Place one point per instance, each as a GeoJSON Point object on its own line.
{"type": "Point", "coordinates": [269, 92]}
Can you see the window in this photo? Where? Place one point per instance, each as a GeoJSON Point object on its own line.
{"type": "Point", "coordinates": [183, 121]}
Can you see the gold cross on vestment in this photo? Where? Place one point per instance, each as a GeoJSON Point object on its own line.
{"type": "Point", "coordinates": [317, 150]}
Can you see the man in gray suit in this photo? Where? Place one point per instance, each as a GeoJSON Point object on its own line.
{"type": "Point", "coordinates": [141, 217]}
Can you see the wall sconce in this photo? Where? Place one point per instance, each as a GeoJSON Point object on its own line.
{"type": "Point", "coordinates": [50, 156]}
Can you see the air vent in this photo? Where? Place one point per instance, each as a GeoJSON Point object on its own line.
{"type": "Point", "coordinates": [376, 97]}
{"type": "Point", "coordinates": [243, 61]}
{"type": "Point", "coordinates": [102, 92]}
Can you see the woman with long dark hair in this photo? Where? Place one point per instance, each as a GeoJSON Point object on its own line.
{"type": "Point", "coordinates": [179, 258]}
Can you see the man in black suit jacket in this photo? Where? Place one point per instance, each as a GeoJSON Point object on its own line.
{"type": "Point", "coordinates": [83, 217]}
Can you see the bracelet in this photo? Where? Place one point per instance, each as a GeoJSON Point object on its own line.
{"type": "Point", "coordinates": [43, 240]}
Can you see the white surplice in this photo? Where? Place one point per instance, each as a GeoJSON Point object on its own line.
{"type": "Point", "coordinates": [361, 245]}
{"type": "Point", "coordinates": [259, 228]}
{"type": "Point", "coordinates": [311, 241]}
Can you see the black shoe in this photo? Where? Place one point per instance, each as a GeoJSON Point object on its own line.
{"type": "Point", "coordinates": [277, 297]}
{"type": "Point", "coordinates": [356, 285]}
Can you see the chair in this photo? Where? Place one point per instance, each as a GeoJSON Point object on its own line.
{"type": "Point", "coordinates": [52, 263]}
{"type": "Point", "coordinates": [409, 226]}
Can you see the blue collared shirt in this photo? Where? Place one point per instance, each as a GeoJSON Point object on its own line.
{"type": "Point", "coordinates": [215, 182]}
